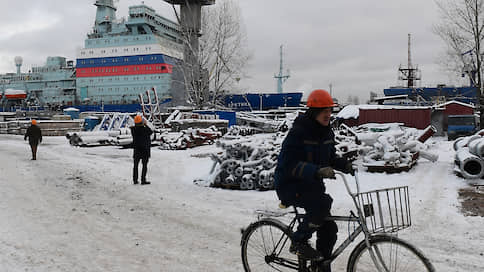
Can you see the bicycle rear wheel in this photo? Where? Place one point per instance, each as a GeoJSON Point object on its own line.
{"type": "Point", "coordinates": [392, 255]}
{"type": "Point", "coordinates": [265, 247]}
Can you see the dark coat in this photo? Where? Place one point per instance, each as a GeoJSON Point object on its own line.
{"type": "Point", "coordinates": [34, 134]}
{"type": "Point", "coordinates": [307, 147]}
{"type": "Point", "coordinates": [141, 141]}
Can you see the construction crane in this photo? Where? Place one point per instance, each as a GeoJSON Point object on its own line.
{"type": "Point", "coordinates": [281, 78]}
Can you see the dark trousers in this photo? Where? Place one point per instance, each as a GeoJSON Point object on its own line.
{"type": "Point", "coordinates": [33, 147]}
{"type": "Point", "coordinates": [317, 208]}
{"type": "Point", "coordinates": [144, 161]}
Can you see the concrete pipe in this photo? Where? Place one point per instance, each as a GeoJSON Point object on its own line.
{"type": "Point", "coordinates": [476, 147]}
{"type": "Point", "coordinates": [465, 141]}
{"type": "Point", "coordinates": [471, 166]}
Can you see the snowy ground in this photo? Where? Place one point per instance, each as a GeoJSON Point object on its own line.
{"type": "Point", "coordinates": [75, 209]}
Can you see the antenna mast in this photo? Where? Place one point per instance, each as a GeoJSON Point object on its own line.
{"type": "Point", "coordinates": [409, 74]}
{"type": "Point", "coordinates": [281, 78]}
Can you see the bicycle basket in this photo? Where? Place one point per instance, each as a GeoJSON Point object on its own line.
{"type": "Point", "coordinates": [386, 210]}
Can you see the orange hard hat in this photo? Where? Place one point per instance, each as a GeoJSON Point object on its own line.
{"type": "Point", "coordinates": [320, 99]}
{"type": "Point", "coordinates": [138, 119]}
{"type": "Point", "coordinates": [34, 122]}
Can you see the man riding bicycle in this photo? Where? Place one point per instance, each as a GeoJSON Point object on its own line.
{"type": "Point", "coordinates": [307, 156]}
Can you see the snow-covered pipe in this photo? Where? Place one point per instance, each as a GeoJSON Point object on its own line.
{"type": "Point", "coordinates": [126, 141]}
{"type": "Point", "coordinates": [476, 147]}
{"type": "Point", "coordinates": [250, 184]}
{"type": "Point", "coordinates": [428, 155]}
{"type": "Point", "coordinates": [471, 166]}
{"type": "Point", "coordinates": [428, 132]}
{"type": "Point", "coordinates": [459, 143]}
{"type": "Point", "coordinates": [246, 177]}
{"type": "Point", "coordinates": [465, 141]}
{"type": "Point", "coordinates": [391, 156]}
{"type": "Point", "coordinates": [409, 145]}
{"type": "Point", "coordinates": [230, 179]}
{"type": "Point", "coordinates": [252, 163]}
{"type": "Point", "coordinates": [239, 172]}
{"type": "Point", "coordinates": [387, 142]}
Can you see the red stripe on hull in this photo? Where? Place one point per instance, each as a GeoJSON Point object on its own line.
{"type": "Point", "coordinates": [15, 96]}
{"type": "Point", "coordinates": [127, 70]}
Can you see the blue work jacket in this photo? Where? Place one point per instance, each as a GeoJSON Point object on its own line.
{"type": "Point", "coordinates": [307, 147]}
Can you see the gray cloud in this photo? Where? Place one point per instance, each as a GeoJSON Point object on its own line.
{"type": "Point", "coordinates": [356, 45]}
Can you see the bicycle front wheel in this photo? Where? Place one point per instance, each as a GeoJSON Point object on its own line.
{"type": "Point", "coordinates": [388, 254]}
{"type": "Point", "coordinates": [265, 247]}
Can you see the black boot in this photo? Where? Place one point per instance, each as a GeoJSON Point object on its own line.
{"type": "Point", "coordinates": [320, 266]}
{"type": "Point", "coordinates": [305, 250]}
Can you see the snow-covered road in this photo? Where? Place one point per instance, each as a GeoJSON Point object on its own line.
{"type": "Point", "coordinates": [75, 209]}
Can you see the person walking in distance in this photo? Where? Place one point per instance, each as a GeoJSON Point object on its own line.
{"type": "Point", "coordinates": [35, 137]}
{"type": "Point", "coordinates": [142, 148]}
{"type": "Point", "coordinates": [308, 156]}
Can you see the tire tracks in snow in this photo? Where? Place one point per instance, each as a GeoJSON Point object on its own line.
{"type": "Point", "coordinates": [437, 202]}
{"type": "Point", "coordinates": [83, 219]}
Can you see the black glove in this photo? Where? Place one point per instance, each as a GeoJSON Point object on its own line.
{"type": "Point", "coordinates": [349, 169]}
{"type": "Point", "coordinates": [326, 172]}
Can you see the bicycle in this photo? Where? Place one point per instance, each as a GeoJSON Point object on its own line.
{"type": "Point", "coordinates": [380, 214]}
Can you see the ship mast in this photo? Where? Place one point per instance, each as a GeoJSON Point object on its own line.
{"type": "Point", "coordinates": [410, 74]}
{"type": "Point", "coordinates": [281, 78]}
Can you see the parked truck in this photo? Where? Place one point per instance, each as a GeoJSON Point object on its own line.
{"type": "Point", "coordinates": [461, 125]}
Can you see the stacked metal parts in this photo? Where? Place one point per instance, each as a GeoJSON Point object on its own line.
{"type": "Point", "coordinates": [245, 164]}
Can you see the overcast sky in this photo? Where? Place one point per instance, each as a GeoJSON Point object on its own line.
{"type": "Point", "coordinates": [357, 45]}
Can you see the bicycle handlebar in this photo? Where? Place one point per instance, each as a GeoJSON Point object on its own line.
{"type": "Point", "coordinates": [342, 175]}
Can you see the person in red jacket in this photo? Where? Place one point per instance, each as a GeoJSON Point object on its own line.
{"type": "Point", "coordinates": [35, 137]}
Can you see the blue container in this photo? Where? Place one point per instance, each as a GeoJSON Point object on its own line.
{"type": "Point", "coordinates": [91, 122]}
{"type": "Point", "coordinates": [72, 112]}
{"type": "Point", "coordinates": [262, 101]}
{"type": "Point", "coordinates": [224, 115]}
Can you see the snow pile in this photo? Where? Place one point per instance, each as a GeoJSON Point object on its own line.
{"type": "Point", "coordinates": [386, 147]}
{"type": "Point", "coordinates": [71, 109]}
{"type": "Point", "coordinates": [349, 112]}
{"type": "Point", "coordinates": [189, 138]}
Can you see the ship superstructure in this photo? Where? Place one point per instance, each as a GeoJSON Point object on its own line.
{"type": "Point", "coordinates": [123, 58]}
{"type": "Point", "coordinates": [120, 59]}
{"type": "Point", "coordinates": [49, 85]}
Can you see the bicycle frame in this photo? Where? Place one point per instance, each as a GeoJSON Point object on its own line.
{"type": "Point", "coordinates": [360, 219]}
{"type": "Point", "coordinates": [375, 256]}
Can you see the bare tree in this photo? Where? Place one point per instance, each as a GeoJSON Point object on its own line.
{"type": "Point", "coordinates": [221, 56]}
{"type": "Point", "coordinates": [462, 28]}
{"type": "Point", "coordinates": [350, 100]}
{"type": "Point", "coordinates": [356, 100]}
